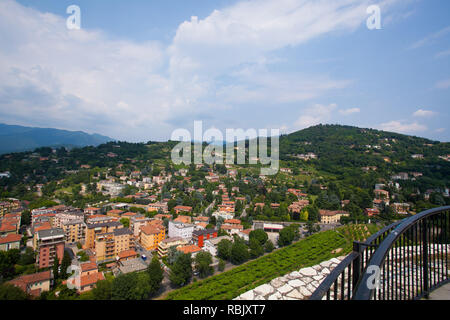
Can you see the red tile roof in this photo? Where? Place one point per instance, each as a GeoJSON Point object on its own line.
{"type": "Point", "coordinates": [189, 249]}
{"type": "Point", "coordinates": [10, 238]}
{"type": "Point", "coordinates": [127, 254]}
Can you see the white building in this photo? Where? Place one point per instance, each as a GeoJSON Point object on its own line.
{"type": "Point", "coordinates": [179, 229]}
{"type": "Point", "coordinates": [224, 215]}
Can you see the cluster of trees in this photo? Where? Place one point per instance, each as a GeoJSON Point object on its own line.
{"type": "Point", "coordinates": [288, 234]}
{"type": "Point", "coordinates": [130, 286]}
{"type": "Point", "coordinates": [238, 251]}
{"type": "Point", "coordinates": [13, 263]}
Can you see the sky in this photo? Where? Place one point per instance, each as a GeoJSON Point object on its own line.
{"type": "Point", "coordinates": [137, 70]}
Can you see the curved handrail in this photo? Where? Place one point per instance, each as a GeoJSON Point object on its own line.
{"type": "Point", "coordinates": [363, 292]}
{"type": "Point", "coordinates": [337, 271]}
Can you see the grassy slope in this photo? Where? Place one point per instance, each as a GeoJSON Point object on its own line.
{"type": "Point", "coordinates": [307, 252]}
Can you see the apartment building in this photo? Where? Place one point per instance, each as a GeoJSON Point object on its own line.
{"type": "Point", "coordinates": [94, 229]}
{"type": "Point", "coordinates": [67, 216]}
{"type": "Point", "coordinates": [49, 246]}
{"type": "Point", "coordinates": [109, 245]}
{"type": "Point", "coordinates": [136, 222]}
{"type": "Point", "coordinates": [75, 231]}
{"type": "Point", "coordinates": [179, 229]}
{"type": "Point", "coordinates": [200, 236]}
{"type": "Point", "coordinates": [151, 235]}
{"type": "Point", "coordinates": [165, 245]}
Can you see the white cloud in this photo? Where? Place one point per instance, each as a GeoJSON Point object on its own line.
{"type": "Point", "coordinates": [315, 115]}
{"type": "Point", "coordinates": [442, 54]}
{"type": "Point", "coordinates": [440, 130]}
{"type": "Point", "coordinates": [424, 113]}
{"type": "Point", "coordinates": [444, 84]}
{"type": "Point", "coordinates": [349, 111]}
{"type": "Point", "coordinates": [82, 80]}
{"type": "Point", "coordinates": [431, 38]}
{"type": "Point", "coordinates": [403, 127]}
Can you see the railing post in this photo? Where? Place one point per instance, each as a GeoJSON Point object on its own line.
{"type": "Point", "coordinates": [425, 257]}
{"type": "Point", "coordinates": [356, 265]}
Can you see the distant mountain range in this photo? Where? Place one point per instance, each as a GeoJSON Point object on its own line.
{"type": "Point", "coordinates": [18, 138]}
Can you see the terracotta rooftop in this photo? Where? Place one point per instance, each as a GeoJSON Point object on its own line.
{"type": "Point", "coordinates": [189, 249]}
{"type": "Point", "coordinates": [88, 266]}
{"type": "Point", "coordinates": [127, 254]}
{"type": "Point", "coordinates": [10, 238]}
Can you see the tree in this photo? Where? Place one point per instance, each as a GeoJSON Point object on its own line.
{"type": "Point", "coordinates": [286, 236]}
{"type": "Point", "coordinates": [125, 222]}
{"type": "Point", "coordinates": [181, 271]}
{"type": "Point", "coordinates": [143, 286]}
{"type": "Point", "coordinates": [224, 249]}
{"type": "Point", "coordinates": [221, 265]}
{"type": "Point", "coordinates": [27, 257]}
{"type": "Point", "coordinates": [312, 228]}
{"type": "Point", "coordinates": [25, 219]}
{"type": "Point", "coordinates": [102, 290]}
{"type": "Point", "coordinates": [11, 292]}
{"type": "Point", "coordinates": [7, 261]}
{"type": "Point", "coordinates": [268, 247]}
{"type": "Point", "coordinates": [56, 268]}
{"type": "Point", "coordinates": [239, 252]}
{"type": "Point", "coordinates": [313, 213]}
{"type": "Point", "coordinates": [156, 274]}
{"type": "Point", "coordinates": [131, 286]}
{"type": "Point", "coordinates": [65, 263]}
{"type": "Point", "coordinates": [260, 235]}
{"type": "Point", "coordinates": [256, 249]}
{"type": "Point", "coordinates": [203, 261]}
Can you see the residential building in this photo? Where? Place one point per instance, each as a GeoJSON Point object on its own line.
{"type": "Point", "coordinates": [88, 278]}
{"type": "Point", "coordinates": [182, 209]}
{"type": "Point", "coordinates": [370, 212]}
{"type": "Point", "coordinates": [151, 235]}
{"type": "Point", "coordinates": [10, 241]}
{"type": "Point", "coordinates": [109, 245]}
{"type": "Point", "coordinates": [165, 245]}
{"type": "Point", "coordinates": [190, 248]}
{"type": "Point", "coordinates": [183, 219]}
{"type": "Point", "coordinates": [75, 231]}
{"type": "Point", "coordinates": [49, 246]}
{"type": "Point", "coordinates": [179, 229]}
{"type": "Point", "coordinates": [34, 284]}
{"type": "Point", "coordinates": [199, 236]}
{"type": "Point", "coordinates": [93, 229]}
{"type": "Point", "coordinates": [332, 217]}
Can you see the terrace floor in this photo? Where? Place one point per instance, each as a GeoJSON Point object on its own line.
{"type": "Point", "coordinates": [443, 293]}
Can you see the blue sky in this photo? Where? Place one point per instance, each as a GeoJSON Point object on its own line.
{"type": "Point", "coordinates": [137, 70]}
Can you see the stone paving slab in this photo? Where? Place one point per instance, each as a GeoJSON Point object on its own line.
{"type": "Point", "coordinates": [297, 285]}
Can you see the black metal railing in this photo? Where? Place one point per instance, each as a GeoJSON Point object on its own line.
{"type": "Point", "coordinates": [408, 259]}
{"type": "Point", "coordinates": [412, 260]}
{"type": "Point", "coordinates": [341, 282]}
